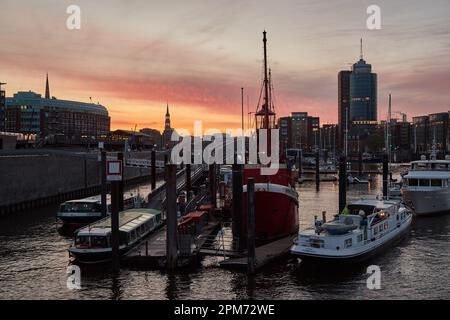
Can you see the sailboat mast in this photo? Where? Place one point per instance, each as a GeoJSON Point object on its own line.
{"type": "Point", "coordinates": [266, 85]}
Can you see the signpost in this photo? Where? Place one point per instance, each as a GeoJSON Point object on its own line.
{"type": "Point", "coordinates": [114, 174]}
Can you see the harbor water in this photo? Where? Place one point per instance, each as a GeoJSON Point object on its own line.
{"type": "Point", "coordinates": [34, 261]}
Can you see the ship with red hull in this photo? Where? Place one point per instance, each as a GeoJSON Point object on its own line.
{"type": "Point", "coordinates": [275, 197]}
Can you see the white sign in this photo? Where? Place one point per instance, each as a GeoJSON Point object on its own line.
{"type": "Point", "coordinates": [114, 170]}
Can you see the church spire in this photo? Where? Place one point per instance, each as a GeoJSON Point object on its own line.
{"type": "Point", "coordinates": [167, 124]}
{"type": "Point", "coordinates": [47, 89]}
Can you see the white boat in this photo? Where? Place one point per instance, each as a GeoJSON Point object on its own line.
{"type": "Point", "coordinates": [93, 243]}
{"type": "Point", "coordinates": [88, 210]}
{"type": "Point", "coordinates": [425, 188]}
{"type": "Point", "coordinates": [369, 227]}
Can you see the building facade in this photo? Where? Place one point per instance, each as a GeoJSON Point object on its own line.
{"type": "Point", "coordinates": [70, 121]}
{"type": "Point", "coordinates": [285, 132]}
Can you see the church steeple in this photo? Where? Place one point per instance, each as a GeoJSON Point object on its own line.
{"type": "Point", "coordinates": [167, 125]}
{"type": "Point", "coordinates": [47, 89]}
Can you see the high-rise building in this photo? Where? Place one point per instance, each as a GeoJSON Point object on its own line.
{"type": "Point", "coordinates": [363, 93]}
{"type": "Point", "coordinates": [285, 132]}
{"type": "Point", "coordinates": [420, 134]}
{"type": "Point", "coordinates": [299, 130]}
{"type": "Point", "coordinates": [343, 104]}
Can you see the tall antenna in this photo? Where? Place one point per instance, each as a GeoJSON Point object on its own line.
{"type": "Point", "coordinates": [361, 55]}
{"type": "Point", "coordinates": [266, 84]}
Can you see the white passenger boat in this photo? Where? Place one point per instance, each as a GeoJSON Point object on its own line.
{"type": "Point", "coordinates": [88, 210]}
{"type": "Point", "coordinates": [369, 227]}
{"type": "Point", "coordinates": [93, 243]}
{"type": "Point", "coordinates": [426, 187]}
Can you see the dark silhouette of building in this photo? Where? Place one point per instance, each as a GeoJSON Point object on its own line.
{"type": "Point", "coordinates": [285, 131]}
{"type": "Point", "coordinates": [155, 137]}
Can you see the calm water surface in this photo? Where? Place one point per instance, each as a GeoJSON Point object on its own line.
{"type": "Point", "coordinates": [33, 262]}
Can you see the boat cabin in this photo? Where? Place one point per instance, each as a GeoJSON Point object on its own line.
{"type": "Point", "coordinates": [133, 225]}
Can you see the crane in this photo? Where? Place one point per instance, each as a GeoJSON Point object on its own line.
{"type": "Point", "coordinates": [404, 116]}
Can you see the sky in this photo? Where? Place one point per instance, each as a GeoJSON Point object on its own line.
{"type": "Point", "coordinates": [135, 56]}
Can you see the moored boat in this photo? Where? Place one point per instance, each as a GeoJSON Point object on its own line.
{"type": "Point", "coordinates": [275, 197]}
{"type": "Point", "coordinates": [88, 210]}
{"type": "Point", "coordinates": [426, 187]}
{"type": "Point", "coordinates": [369, 228]}
{"type": "Point", "coordinates": [92, 243]}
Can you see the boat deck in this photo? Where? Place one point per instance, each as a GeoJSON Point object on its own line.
{"type": "Point", "coordinates": [151, 252]}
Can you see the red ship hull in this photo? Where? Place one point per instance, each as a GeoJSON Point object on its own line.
{"type": "Point", "coordinates": [276, 206]}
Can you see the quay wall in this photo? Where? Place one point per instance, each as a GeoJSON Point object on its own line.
{"type": "Point", "coordinates": [39, 177]}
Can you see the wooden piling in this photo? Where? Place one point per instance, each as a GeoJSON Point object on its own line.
{"type": "Point", "coordinates": [120, 157]}
{"type": "Point", "coordinates": [153, 170]}
{"type": "Point", "coordinates": [104, 188]}
{"type": "Point", "coordinates": [212, 184]}
{"type": "Point", "coordinates": [251, 226]}
{"type": "Point", "coordinates": [342, 183]}
{"type": "Point", "coordinates": [115, 195]}
{"type": "Point", "coordinates": [188, 181]}
{"type": "Point", "coordinates": [171, 204]}
{"type": "Point", "coordinates": [238, 230]}
{"type": "Point", "coordinates": [317, 171]}
{"type": "Point", "coordinates": [385, 175]}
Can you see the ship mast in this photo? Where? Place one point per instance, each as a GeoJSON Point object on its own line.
{"type": "Point", "coordinates": [266, 85]}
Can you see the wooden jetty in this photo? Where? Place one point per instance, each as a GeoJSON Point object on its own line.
{"type": "Point", "coordinates": [264, 255]}
{"type": "Point", "coordinates": [151, 252]}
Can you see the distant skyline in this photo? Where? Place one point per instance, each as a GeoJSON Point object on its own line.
{"type": "Point", "coordinates": [135, 56]}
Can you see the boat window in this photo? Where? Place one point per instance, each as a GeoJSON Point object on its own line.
{"type": "Point", "coordinates": [436, 183]}
{"type": "Point", "coordinates": [375, 230]}
{"type": "Point", "coordinates": [98, 242]}
{"type": "Point", "coordinates": [348, 242]}
{"type": "Point", "coordinates": [360, 238]}
{"type": "Point", "coordinates": [82, 241]}
{"type": "Point", "coordinates": [386, 225]}
{"type": "Point", "coordinates": [424, 182]}
{"type": "Point", "coordinates": [80, 207]}
{"type": "Point", "coordinates": [316, 243]}
{"type": "Point", "coordinates": [398, 218]}
{"type": "Point", "coordinates": [413, 182]}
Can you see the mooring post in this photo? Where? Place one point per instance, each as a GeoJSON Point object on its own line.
{"type": "Point", "coordinates": [238, 230]}
{"type": "Point", "coordinates": [251, 256]}
{"type": "Point", "coordinates": [104, 188]}
{"type": "Point", "coordinates": [115, 197]}
{"type": "Point", "coordinates": [120, 157]}
{"type": "Point", "coordinates": [153, 170]}
{"type": "Point", "coordinates": [317, 171]}
{"type": "Point", "coordinates": [385, 175]}
{"type": "Point", "coordinates": [342, 183]}
{"type": "Point", "coordinates": [171, 219]}
{"type": "Point", "coordinates": [360, 164]}
{"type": "Point", "coordinates": [300, 154]}
{"type": "Point", "coordinates": [188, 181]}
{"type": "Point", "coordinates": [212, 184]}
